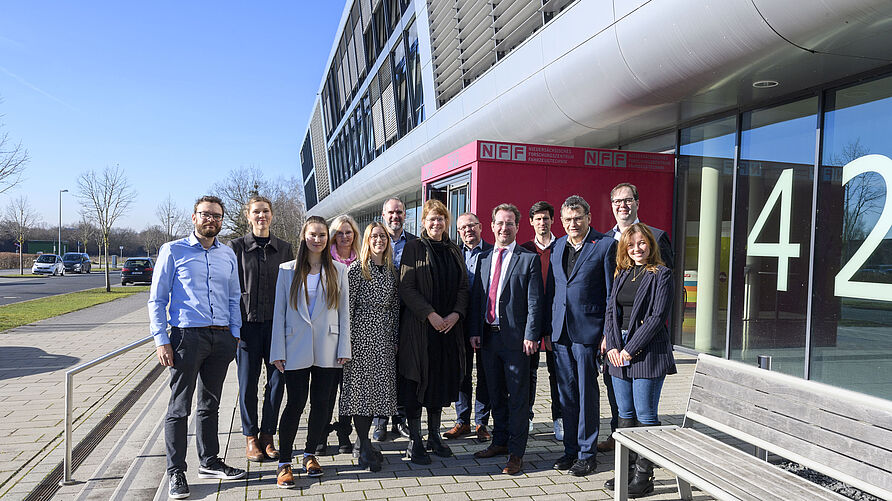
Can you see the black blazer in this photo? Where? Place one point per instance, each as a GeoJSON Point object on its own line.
{"type": "Point", "coordinates": [521, 303]}
{"type": "Point", "coordinates": [648, 341]}
{"type": "Point", "coordinates": [257, 273]}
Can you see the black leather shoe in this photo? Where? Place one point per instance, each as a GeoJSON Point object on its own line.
{"type": "Point", "coordinates": [583, 467]}
{"type": "Point", "coordinates": [417, 454]}
{"type": "Point", "coordinates": [380, 433]}
{"type": "Point", "coordinates": [564, 462]}
{"type": "Point", "coordinates": [400, 429]}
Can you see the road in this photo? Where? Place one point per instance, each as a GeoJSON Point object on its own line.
{"type": "Point", "coordinates": [13, 290]}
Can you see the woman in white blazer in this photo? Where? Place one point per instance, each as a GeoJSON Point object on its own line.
{"type": "Point", "coordinates": [310, 339]}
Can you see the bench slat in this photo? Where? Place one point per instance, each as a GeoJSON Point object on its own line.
{"type": "Point", "coordinates": [867, 478]}
{"type": "Point", "coordinates": [808, 410]}
{"type": "Point", "coordinates": [857, 406]}
{"type": "Point", "coordinates": [775, 412]}
{"type": "Point", "coordinates": [786, 483]}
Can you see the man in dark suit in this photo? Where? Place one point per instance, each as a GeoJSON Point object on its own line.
{"type": "Point", "coordinates": [473, 245]}
{"type": "Point", "coordinates": [624, 202]}
{"type": "Point", "coordinates": [581, 274]}
{"type": "Point", "coordinates": [393, 212]}
{"type": "Point", "coordinates": [505, 323]}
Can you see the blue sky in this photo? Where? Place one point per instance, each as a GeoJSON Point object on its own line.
{"type": "Point", "coordinates": [176, 93]}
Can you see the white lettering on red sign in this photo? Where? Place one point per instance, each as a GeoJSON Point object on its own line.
{"type": "Point", "coordinates": [601, 158]}
{"type": "Point", "coordinates": [510, 152]}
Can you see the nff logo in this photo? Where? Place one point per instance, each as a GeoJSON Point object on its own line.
{"type": "Point", "coordinates": [601, 158]}
{"type": "Point", "coordinates": [496, 151]}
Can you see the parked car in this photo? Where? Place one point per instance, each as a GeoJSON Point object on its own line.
{"type": "Point", "coordinates": [76, 262]}
{"type": "Point", "coordinates": [137, 269]}
{"type": "Point", "coordinates": [48, 264]}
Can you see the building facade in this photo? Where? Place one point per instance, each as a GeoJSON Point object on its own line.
{"type": "Point", "coordinates": [779, 115]}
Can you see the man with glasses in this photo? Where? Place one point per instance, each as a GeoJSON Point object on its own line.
{"type": "Point", "coordinates": [579, 281]}
{"type": "Point", "coordinates": [470, 231]}
{"type": "Point", "coordinates": [195, 289]}
{"type": "Point", "coordinates": [393, 213]}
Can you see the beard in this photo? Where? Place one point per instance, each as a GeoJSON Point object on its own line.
{"type": "Point", "coordinates": [208, 231]}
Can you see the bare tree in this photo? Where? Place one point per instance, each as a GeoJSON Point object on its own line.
{"type": "Point", "coordinates": [235, 190]}
{"type": "Point", "coordinates": [13, 158]}
{"type": "Point", "coordinates": [108, 196]}
{"type": "Point", "coordinates": [20, 218]}
{"type": "Point", "coordinates": [864, 194]}
{"type": "Point", "coordinates": [84, 230]}
{"type": "Point", "coordinates": [289, 210]}
{"type": "Point", "coordinates": [173, 219]}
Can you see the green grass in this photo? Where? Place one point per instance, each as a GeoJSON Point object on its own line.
{"type": "Point", "coordinates": [26, 312]}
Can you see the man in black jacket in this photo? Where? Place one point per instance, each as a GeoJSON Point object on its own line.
{"type": "Point", "coordinates": [259, 254]}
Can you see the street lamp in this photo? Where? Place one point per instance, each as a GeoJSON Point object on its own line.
{"type": "Point", "coordinates": [60, 219]}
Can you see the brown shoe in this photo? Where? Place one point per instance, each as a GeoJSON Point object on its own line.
{"type": "Point", "coordinates": [607, 445]}
{"type": "Point", "coordinates": [492, 451]}
{"type": "Point", "coordinates": [482, 434]}
{"type": "Point", "coordinates": [284, 477]}
{"type": "Point", "coordinates": [268, 446]}
{"type": "Point", "coordinates": [458, 431]}
{"type": "Point", "coordinates": [312, 466]}
{"type": "Point", "coordinates": [514, 466]}
{"type": "Point", "coordinates": [252, 449]}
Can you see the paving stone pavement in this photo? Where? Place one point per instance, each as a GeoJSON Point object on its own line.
{"type": "Point", "coordinates": [34, 358]}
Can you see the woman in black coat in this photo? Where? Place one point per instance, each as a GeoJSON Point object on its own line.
{"type": "Point", "coordinates": [638, 344]}
{"type": "Point", "coordinates": [434, 289]}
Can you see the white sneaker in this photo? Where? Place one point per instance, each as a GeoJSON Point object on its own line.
{"type": "Point", "coordinates": [530, 431]}
{"type": "Point", "coordinates": [559, 429]}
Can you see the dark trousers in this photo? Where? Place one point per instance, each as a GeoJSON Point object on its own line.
{"type": "Point", "coordinates": [508, 378]}
{"type": "Point", "coordinates": [611, 399]}
{"type": "Point", "coordinates": [580, 399]}
{"type": "Point", "coordinates": [552, 383]}
{"type": "Point", "coordinates": [201, 357]}
{"type": "Point", "coordinates": [481, 403]}
{"type": "Point", "coordinates": [298, 384]}
{"type": "Point", "coordinates": [253, 355]}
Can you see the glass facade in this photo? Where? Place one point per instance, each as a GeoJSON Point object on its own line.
{"type": "Point", "coordinates": [787, 236]}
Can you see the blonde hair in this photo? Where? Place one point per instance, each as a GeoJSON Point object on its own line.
{"type": "Point", "coordinates": [624, 262]}
{"type": "Point", "coordinates": [365, 252]}
{"type": "Point", "coordinates": [435, 206]}
{"type": "Point", "coordinates": [336, 225]}
{"type": "Point", "coordinates": [302, 269]}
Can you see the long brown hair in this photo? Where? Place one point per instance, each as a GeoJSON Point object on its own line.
{"type": "Point", "coordinates": [365, 252]}
{"type": "Point", "coordinates": [302, 269]}
{"type": "Point", "coordinates": [624, 262]}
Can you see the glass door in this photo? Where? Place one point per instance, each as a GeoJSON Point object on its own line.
{"type": "Point", "coordinates": [454, 192]}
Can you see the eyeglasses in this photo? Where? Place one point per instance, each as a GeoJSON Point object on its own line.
{"type": "Point", "coordinates": [435, 219]}
{"type": "Point", "coordinates": [207, 216]}
{"type": "Point", "coordinates": [468, 226]}
{"type": "Point", "coordinates": [620, 201]}
{"type": "Point", "coordinates": [577, 219]}
{"type": "Point", "coordinates": [509, 224]}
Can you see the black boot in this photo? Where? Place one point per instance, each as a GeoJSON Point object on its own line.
{"type": "Point", "coordinates": [343, 430]}
{"type": "Point", "coordinates": [633, 456]}
{"type": "Point", "coordinates": [434, 444]}
{"type": "Point", "coordinates": [367, 456]}
{"type": "Point", "coordinates": [643, 481]}
{"type": "Point", "coordinates": [416, 452]}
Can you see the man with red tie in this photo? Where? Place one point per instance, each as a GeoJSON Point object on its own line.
{"type": "Point", "coordinates": [505, 322]}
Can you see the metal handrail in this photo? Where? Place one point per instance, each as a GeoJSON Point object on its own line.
{"type": "Point", "coordinates": [69, 397]}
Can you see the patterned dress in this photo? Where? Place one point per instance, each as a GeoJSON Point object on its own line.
{"type": "Point", "coordinates": [368, 387]}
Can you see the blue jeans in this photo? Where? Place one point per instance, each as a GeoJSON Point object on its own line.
{"type": "Point", "coordinates": [638, 398]}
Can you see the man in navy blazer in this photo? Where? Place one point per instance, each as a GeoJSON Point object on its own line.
{"type": "Point", "coordinates": [579, 281]}
{"type": "Point", "coordinates": [505, 321]}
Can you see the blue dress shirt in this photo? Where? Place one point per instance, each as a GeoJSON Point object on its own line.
{"type": "Point", "coordinates": [471, 259]}
{"type": "Point", "coordinates": [201, 286]}
{"type": "Point", "coordinates": [398, 246]}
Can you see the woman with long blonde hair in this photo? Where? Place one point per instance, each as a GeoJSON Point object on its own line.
{"type": "Point", "coordinates": [310, 340]}
{"type": "Point", "coordinates": [369, 384]}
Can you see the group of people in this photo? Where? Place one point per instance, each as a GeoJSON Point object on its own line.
{"type": "Point", "coordinates": [395, 323]}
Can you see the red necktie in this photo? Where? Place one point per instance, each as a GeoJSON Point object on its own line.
{"type": "Point", "coordinates": [494, 288]}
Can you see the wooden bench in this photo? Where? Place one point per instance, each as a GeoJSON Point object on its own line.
{"type": "Point", "coordinates": [840, 433]}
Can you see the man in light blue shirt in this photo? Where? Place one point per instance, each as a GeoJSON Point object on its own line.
{"type": "Point", "coordinates": [195, 289]}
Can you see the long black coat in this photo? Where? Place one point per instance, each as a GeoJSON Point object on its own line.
{"type": "Point", "coordinates": [416, 291]}
{"type": "Point", "coordinates": [257, 273]}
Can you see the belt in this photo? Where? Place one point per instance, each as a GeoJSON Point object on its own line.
{"type": "Point", "coordinates": [492, 328]}
{"type": "Point", "coordinates": [218, 327]}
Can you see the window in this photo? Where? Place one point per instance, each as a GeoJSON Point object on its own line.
{"type": "Point", "coordinates": [413, 59]}
{"type": "Point", "coordinates": [398, 58]}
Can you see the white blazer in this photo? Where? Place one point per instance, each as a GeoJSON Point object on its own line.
{"type": "Point", "coordinates": [303, 341]}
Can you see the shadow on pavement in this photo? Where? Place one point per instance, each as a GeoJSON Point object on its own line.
{"type": "Point", "coordinates": [18, 361]}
